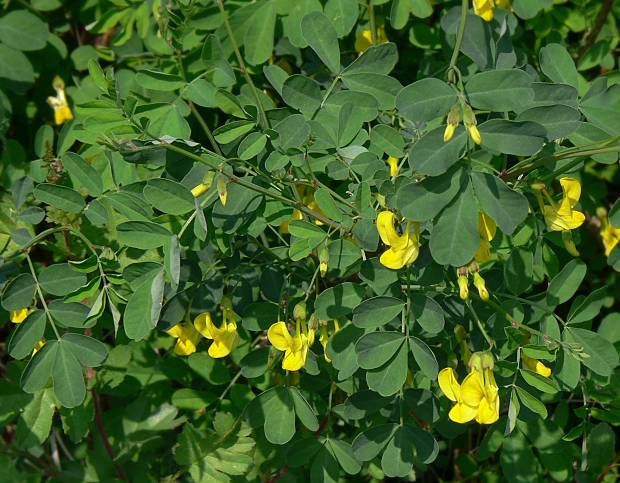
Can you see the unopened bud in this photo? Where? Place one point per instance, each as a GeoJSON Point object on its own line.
{"type": "Point", "coordinates": [475, 362]}
{"type": "Point", "coordinates": [449, 132]}
{"type": "Point", "coordinates": [569, 244]}
{"type": "Point", "coordinates": [323, 261]}
{"type": "Point", "coordinates": [222, 189]}
{"type": "Point", "coordinates": [463, 287]}
{"type": "Point", "coordinates": [487, 360]}
{"type": "Point", "coordinates": [299, 312]}
{"type": "Point", "coordinates": [481, 286]}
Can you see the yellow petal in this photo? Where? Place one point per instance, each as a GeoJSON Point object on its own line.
{"type": "Point", "coordinates": [572, 191]}
{"type": "Point", "coordinates": [363, 41]}
{"type": "Point", "coordinates": [199, 190]}
{"type": "Point", "coordinates": [18, 316]}
{"type": "Point", "coordinates": [393, 164]}
{"type": "Point", "coordinates": [386, 227]}
{"type": "Point", "coordinates": [486, 227]}
{"type": "Point", "coordinates": [175, 331]}
{"type": "Point", "coordinates": [542, 369]}
{"type": "Point", "coordinates": [204, 324]}
{"type": "Point", "coordinates": [484, 9]}
{"type": "Point", "coordinates": [563, 220]}
{"type": "Point", "coordinates": [224, 345]}
{"type": "Point", "coordinates": [38, 347]}
{"type": "Point", "coordinates": [474, 134]}
{"type": "Point", "coordinates": [279, 336]}
{"type": "Point", "coordinates": [448, 384]}
{"type": "Point", "coordinates": [488, 412]}
{"type": "Point", "coordinates": [472, 389]}
{"type": "Point", "coordinates": [184, 347]}
{"type": "Point", "coordinates": [484, 252]}
{"type": "Point", "coordinates": [293, 360]}
{"type": "Point", "coordinates": [449, 132]}
{"type": "Point", "coordinates": [462, 413]}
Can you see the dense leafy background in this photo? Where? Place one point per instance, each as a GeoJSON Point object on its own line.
{"type": "Point", "coordinates": [291, 115]}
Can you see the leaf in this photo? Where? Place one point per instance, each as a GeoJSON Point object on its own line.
{"type": "Point", "coordinates": [500, 90]}
{"type": "Point", "coordinates": [35, 422]}
{"type": "Point", "coordinates": [279, 414]}
{"type": "Point", "coordinates": [159, 81]}
{"type": "Point", "coordinates": [60, 279]}
{"type": "Point", "coordinates": [293, 132]}
{"type": "Point", "coordinates": [603, 357]}
{"type": "Point", "coordinates": [16, 71]}
{"type": "Point", "coordinates": [377, 59]}
{"type": "Point", "coordinates": [69, 385]}
{"type": "Point", "coordinates": [142, 234]}
{"type": "Point", "coordinates": [557, 64]}
{"type": "Point", "coordinates": [507, 207]}
{"type": "Point", "coordinates": [431, 156]}
{"type": "Point", "coordinates": [258, 38]}
{"type": "Point", "coordinates": [388, 140]}
{"type": "Point", "coordinates": [61, 197]}
{"type": "Point", "coordinates": [390, 378]}
{"type": "Point", "coordinates": [303, 410]}
{"type": "Point", "coordinates": [512, 137]}
{"type": "Point", "coordinates": [343, 15]}
{"type": "Point", "coordinates": [559, 121]}
{"type": "Point", "coordinates": [586, 309]}
{"type": "Point", "coordinates": [241, 208]}
{"type": "Point", "coordinates": [541, 383]}
{"type": "Point", "coordinates": [192, 399]}
{"type": "Point", "coordinates": [376, 348]}
{"type": "Point", "coordinates": [19, 292]}
{"type": "Point", "coordinates": [519, 271]}
{"type": "Point", "coordinates": [144, 306]}
{"type": "Point", "coordinates": [565, 284]}
{"type": "Point", "coordinates": [230, 131]}
{"type": "Point", "coordinates": [88, 351]}
{"type": "Point", "coordinates": [422, 201]}
{"type": "Point", "coordinates": [370, 442]}
{"type": "Point", "coordinates": [428, 313]}
{"type": "Point", "coordinates": [169, 196]}
{"type": "Point", "coordinates": [377, 311]}
{"type": "Point", "coordinates": [425, 100]}
{"type": "Point", "coordinates": [69, 314]}
{"type": "Point", "coordinates": [82, 173]}
{"type": "Point", "coordinates": [320, 34]}
{"type": "Point", "coordinates": [344, 455]}
{"type": "Point", "coordinates": [382, 87]}
{"type": "Point", "coordinates": [455, 239]}
{"type": "Point", "coordinates": [532, 403]}
{"type": "Point", "coordinates": [251, 146]}
{"type": "Point", "coordinates": [22, 30]}
{"type": "Point", "coordinates": [302, 93]}
{"type": "Point", "coordinates": [338, 301]}
{"type": "Point", "coordinates": [425, 358]}
{"type": "Point", "coordinates": [27, 334]}
{"type": "Point", "coordinates": [39, 370]}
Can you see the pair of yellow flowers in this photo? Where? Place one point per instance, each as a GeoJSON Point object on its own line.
{"type": "Point", "coordinates": [477, 397]}
{"type": "Point", "coordinates": [225, 338]}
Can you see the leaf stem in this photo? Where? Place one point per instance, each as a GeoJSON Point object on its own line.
{"type": "Point", "coordinates": [459, 35]}
{"type": "Point", "coordinates": [41, 298]}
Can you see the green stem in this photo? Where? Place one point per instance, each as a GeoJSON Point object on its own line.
{"type": "Point", "coordinates": [264, 122]}
{"type": "Point", "coordinates": [480, 326]}
{"type": "Point", "coordinates": [205, 128]}
{"type": "Point", "coordinates": [459, 35]}
{"type": "Point", "coordinates": [41, 298]}
{"type": "Point", "coordinates": [246, 184]}
{"type": "Point", "coordinates": [373, 24]}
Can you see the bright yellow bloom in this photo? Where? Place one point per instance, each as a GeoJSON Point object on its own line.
{"type": "Point", "coordinates": [475, 399]}
{"type": "Point", "coordinates": [364, 39]}
{"type": "Point", "coordinates": [225, 338]}
{"type": "Point", "coordinates": [484, 8]}
{"type": "Point", "coordinates": [610, 235]}
{"type": "Point", "coordinates": [405, 248]}
{"type": "Point", "coordinates": [449, 132]}
{"type": "Point", "coordinates": [324, 337]}
{"type": "Point", "coordinates": [19, 315]}
{"type": "Point", "coordinates": [563, 217]}
{"type": "Point", "coordinates": [474, 134]}
{"type": "Point", "coordinates": [187, 338]}
{"type": "Point", "coordinates": [535, 365]}
{"type": "Point", "coordinates": [393, 164]}
{"type": "Point", "coordinates": [487, 229]}
{"type": "Point", "coordinates": [295, 347]}
{"type": "Point", "coordinates": [62, 111]}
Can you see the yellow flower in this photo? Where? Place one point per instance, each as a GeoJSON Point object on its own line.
{"type": "Point", "coordinates": [484, 8]}
{"type": "Point", "coordinates": [203, 187]}
{"type": "Point", "coordinates": [453, 120]}
{"type": "Point", "coordinates": [405, 248]}
{"type": "Point", "coordinates": [295, 347]}
{"type": "Point", "coordinates": [475, 399]}
{"type": "Point", "coordinates": [225, 338]}
{"type": "Point", "coordinates": [487, 229]}
{"type": "Point", "coordinates": [187, 338]}
{"type": "Point", "coordinates": [62, 111]}
{"type": "Point", "coordinates": [610, 235]}
{"type": "Point", "coordinates": [563, 217]}
{"type": "Point", "coordinates": [474, 134]}
{"type": "Point", "coordinates": [38, 347]}
{"type": "Point", "coordinates": [393, 164]}
{"type": "Point", "coordinates": [449, 132]}
{"type": "Point", "coordinates": [535, 365]}
{"type": "Point", "coordinates": [463, 283]}
{"type": "Point", "coordinates": [364, 39]}
{"type": "Point", "coordinates": [308, 201]}
{"type": "Point", "coordinates": [19, 315]}
{"type": "Point", "coordinates": [480, 284]}
{"type": "Point", "coordinates": [324, 337]}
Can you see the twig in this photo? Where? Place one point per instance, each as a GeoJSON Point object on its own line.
{"type": "Point", "coordinates": [596, 29]}
{"type": "Point", "coordinates": [118, 469]}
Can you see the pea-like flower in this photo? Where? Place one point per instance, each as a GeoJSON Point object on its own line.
{"type": "Point", "coordinates": [535, 365]}
{"type": "Point", "coordinates": [563, 217]}
{"type": "Point", "coordinates": [486, 229]}
{"type": "Point", "coordinates": [393, 164]}
{"type": "Point", "coordinates": [295, 346]}
{"type": "Point", "coordinates": [187, 338]}
{"type": "Point", "coordinates": [610, 235]}
{"type": "Point", "coordinates": [19, 315]}
{"type": "Point", "coordinates": [485, 8]}
{"type": "Point", "coordinates": [364, 39]}
{"type": "Point", "coordinates": [62, 111]}
{"type": "Point", "coordinates": [225, 338]}
{"type": "Point", "coordinates": [476, 398]}
{"type": "Point", "coordinates": [403, 249]}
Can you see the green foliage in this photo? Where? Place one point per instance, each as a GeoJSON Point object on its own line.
{"type": "Point", "coordinates": [238, 159]}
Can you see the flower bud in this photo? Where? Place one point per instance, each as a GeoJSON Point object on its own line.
{"type": "Point", "coordinates": [323, 261]}
{"type": "Point", "coordinates": [299, 312]}
{"type": "Point", "coordinates": [222, 189]}
{"type": "Point", "coordinates": [569, 244]}
{"type": "Point", "coordinates": [487, 360]}
{"type": "Point", "coordinates": [481, 286]}
{"type": "Point", "coordinates": [463, 287]}
{"type": "Point", "coordinates": [475, 362]}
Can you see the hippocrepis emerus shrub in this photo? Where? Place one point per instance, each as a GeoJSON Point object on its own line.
{"type": "Point", "coordinates": [310, 240]}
